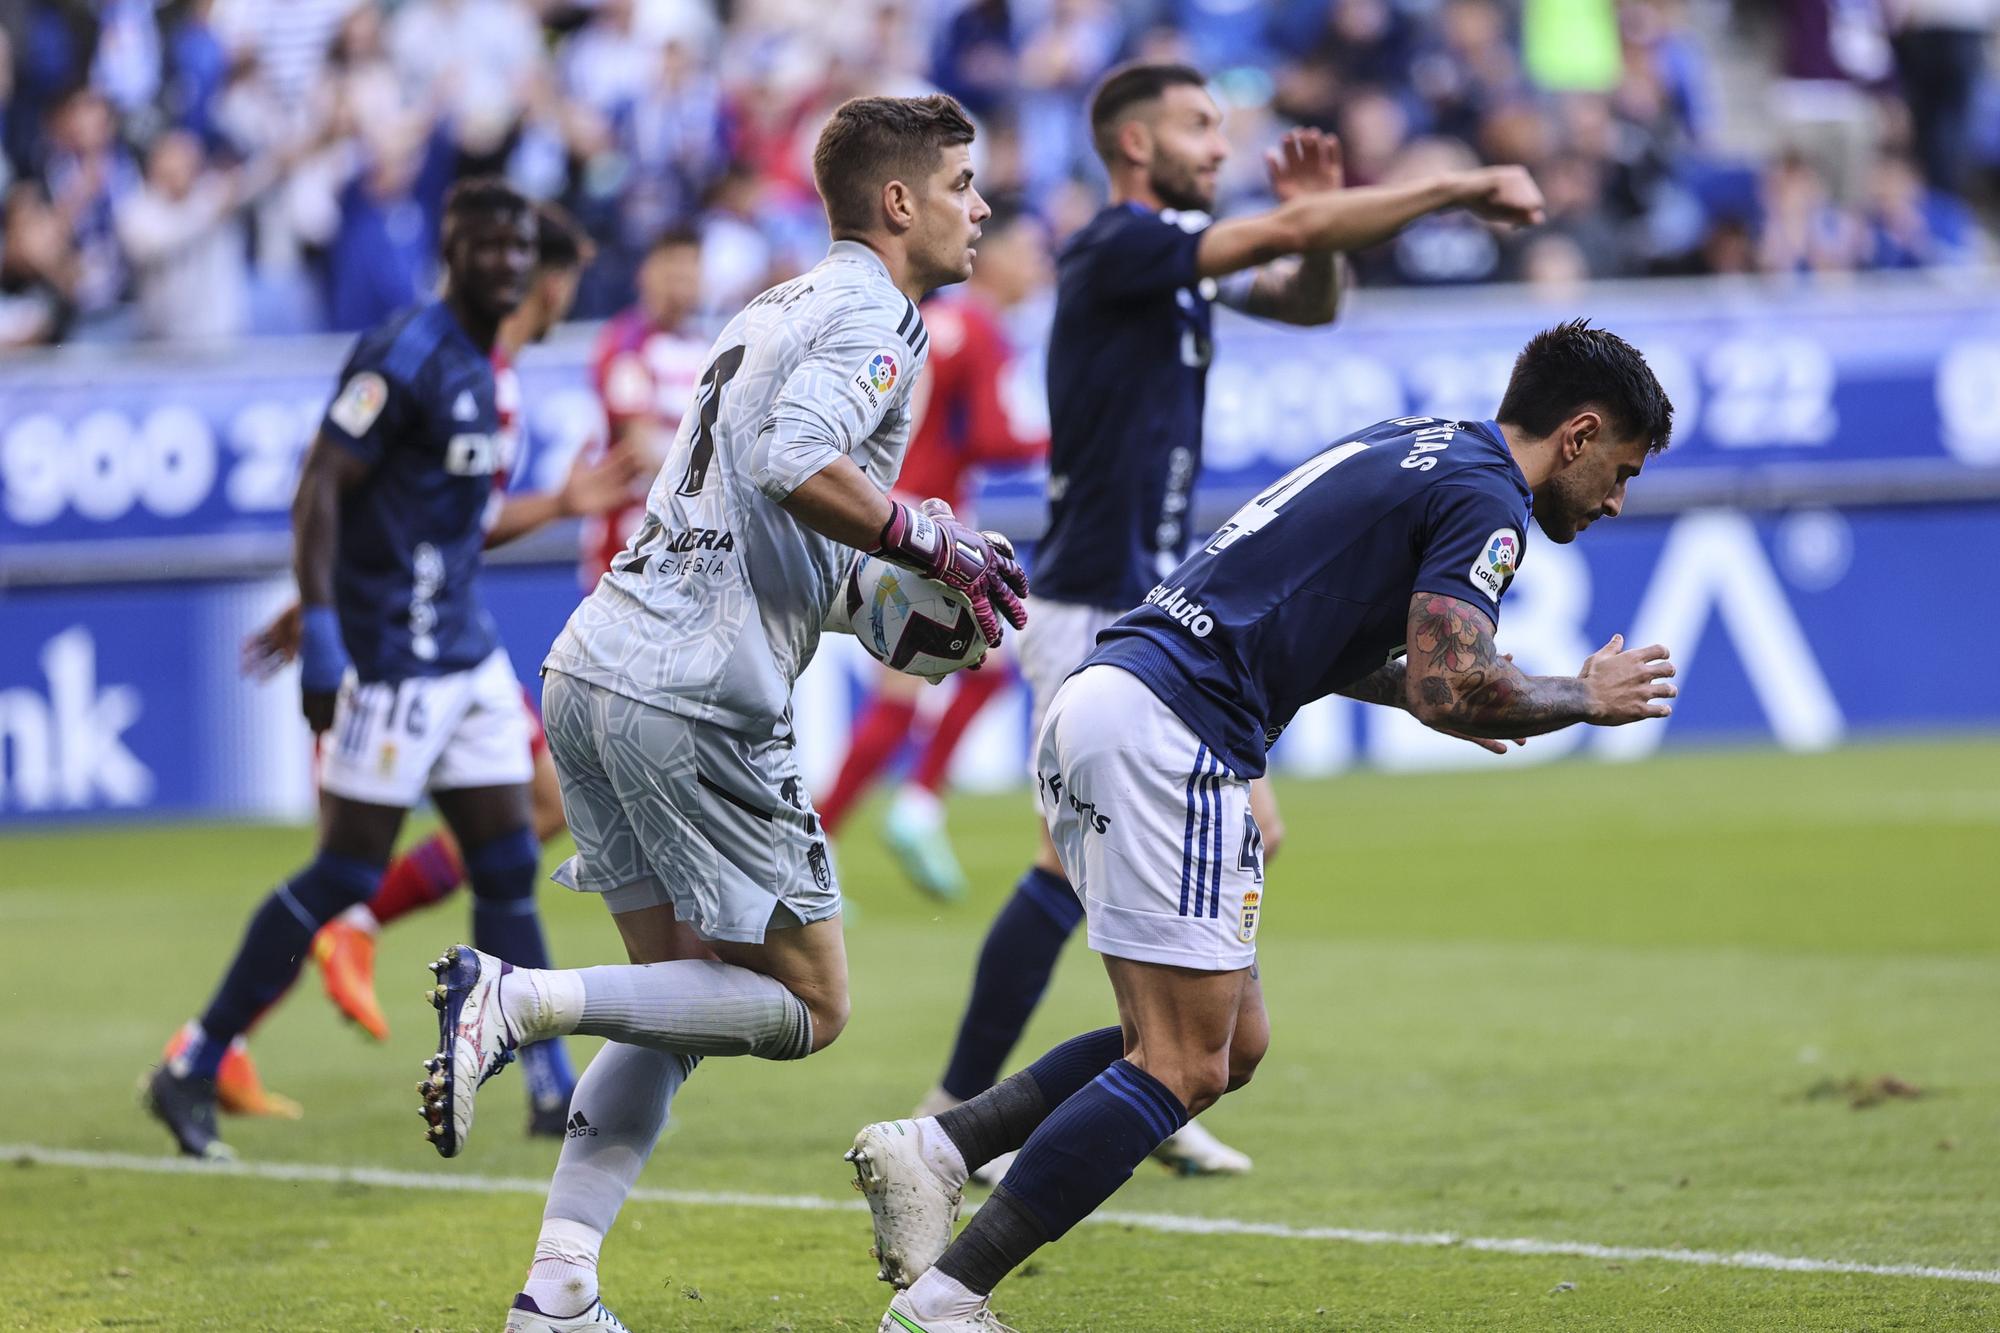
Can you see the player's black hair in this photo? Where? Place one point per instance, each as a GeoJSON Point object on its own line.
{"type": "Point", "coordinates": [1129, 86]}
{"type": "Point", "coordinates": [871, 141]}
{"type": "Point", "coordinates": [1573, 366]}
{"type": "Point", "coordinates": [560, 241]}
{"type": "Point", "coordinates": [484, 197]}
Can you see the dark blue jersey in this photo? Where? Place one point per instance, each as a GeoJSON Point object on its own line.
{"type": "Point", "coordinates": [1307, 589]}
{"type": "Point", "coordinates": [416, 403]}
{"type": "Point", "coordinates": [1128, 369]}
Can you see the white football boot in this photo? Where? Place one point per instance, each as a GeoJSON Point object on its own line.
{"type": "Point", "coordinates": [524, 1316]}
{"type": "Point", "coordinates": [901, 1319]}
{"type": "Point", "coordinates": [1193, 1151]}
{"type": "Point", "coordinates": [912, 1204]}
{"type": "Point", "coordinates": [474, 1043]}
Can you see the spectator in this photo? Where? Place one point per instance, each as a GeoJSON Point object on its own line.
{"type": "Point", "coordinates": [197, 71]}
{"type": "Point", "coordinates": [481, 57]}
{"type": "Point", "coordinates": [672, 139]}
{"type": "Point", "coordinates": [88, 175]}
{"type": "Point", "coordinates": [608, 64]}
{"type": "Point", "coordinates": [1910, 224]}
{"type": "Point", "coordinates": [384, 251]}
{"type": "Point", "coordinates": [183, 234]}
{"type": "Point", "coordinates": [38, 269]}
{"type": "Point", "coordinates": [1805, 231]}
{"type": "Point", "coordinates": [289, 40]}
{"type": "Point", "coordinates": [975, 59]}
{"type": "Point", "coordinates": [1060, 62]}
{"type": "Point", "coordinates": [1940, 53]}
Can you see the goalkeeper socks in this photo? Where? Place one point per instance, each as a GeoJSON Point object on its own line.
{"type": "Point", "coordinates": [562, 1280]}
{"type": "Point", "coordinates": [425, 874]}
{"type": "Point", "coordinates": [1079, 1157]}
{"type": "Point", "coordinates": [616, 1116]}
{"type": "Point", "coordinates": [694, 1005]}
{"type": "Point", "coordinates": [878, 733]}
{"type": "Point", "coordinates": [277, 940]}
{"type": "Point", "coordinates": [1020, 952]}
{"type": "Point", "coordinates": [504, 922]}
{"type": "Point", "coordinates": [1000, 1119]}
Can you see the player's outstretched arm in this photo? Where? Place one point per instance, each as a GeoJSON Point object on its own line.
{"type": "Point", "coordinates": [590, 487]}
{"type": "Point", "coordinates": [1457, 681]}
{"type": "Point", "coordinates": [1302, 289]}
{"type": "Point", "coordinates": [1388, 685]}
{"type": "Point", "coordinates": [330, 470]}
{"type": "Point", "coordinates": [1356, 219]}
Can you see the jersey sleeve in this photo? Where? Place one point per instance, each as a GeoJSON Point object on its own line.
{"type": "Point", "coordinates": [1145, 254]}
{"type": "Point", "coordinates": [836, 397]}
{"type": "Point", "coordinates": [364, 411]}
{"type": "Point", "coordinates": [1472, 544]}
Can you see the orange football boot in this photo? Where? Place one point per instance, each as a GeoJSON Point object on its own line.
{"type": "Point", "coordinates": [239, 1089]}
{"type": "Point", "coordinates": [346, 957]}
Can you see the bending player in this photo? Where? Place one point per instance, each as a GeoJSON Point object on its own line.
{"type": "Point", "coordinates": [399, 657]}
{"type": "Point", "coordinates": [344, 948]}
{"type": "Point", "coordinates": [1128, 365]}
{"type": "Point", "coordinates": [1405, 536]}
{"type": "Point", "coordinates": [962, 425]}
{"type": "Point", "coordinates": [668, 696]}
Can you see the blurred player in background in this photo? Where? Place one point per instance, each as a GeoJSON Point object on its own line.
{"type": "Point", "coordinates": [962, 425]}
{"type": "Point", "coordinates": [399, 658]}
{"type": "Point", "coordinates": [1127, 370]}
{"type": "Point", "coordinates": [1407, 535]}
{"type": "Point", "coordinates": [425, 874]}
{"type": "Point", "coordinates": [644, 370]}
{"type": "Point", "coordinates": [668, 695]}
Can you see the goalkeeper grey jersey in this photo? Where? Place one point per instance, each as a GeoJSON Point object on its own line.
{"type": "Point", "coordinates": [715, 605]}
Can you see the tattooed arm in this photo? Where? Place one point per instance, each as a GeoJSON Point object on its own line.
{"type": "Point", "coordinates": [1304, 289]}
{"type": "Point", "coordinates": [1384, 685]}
{"type": "Point", "coordinates": [1457, 681]}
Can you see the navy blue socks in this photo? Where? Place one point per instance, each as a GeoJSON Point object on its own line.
{"type": "Point", "coordinates": [506, 925]}
{"type": "Point", "coordinates": [1084, 1150]}
{"type": "Point", "coordinates": [275, 946]}
{"type": "Point", "coordinates": [1015, 963]}
{"type": "Point", "coordinates": [1000, 1119]}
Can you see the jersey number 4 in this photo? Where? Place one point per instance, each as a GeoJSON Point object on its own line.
{"type": "Point", "coordinates": [1272, 499]}
{"type": "Point", "coordinates": [708, 405]}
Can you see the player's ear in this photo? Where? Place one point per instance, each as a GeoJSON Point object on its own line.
{"type": "Point", "coordinates": [1579, 432]}
{"type": "Point", "coordinates": [1135, 141]}
{"type": "Point", "coordinates": [899, 206]}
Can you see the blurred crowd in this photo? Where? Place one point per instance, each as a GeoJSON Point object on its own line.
{"type": "Point", "coordinates": [201, 169]}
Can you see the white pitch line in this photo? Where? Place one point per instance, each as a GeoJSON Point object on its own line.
{"type": "Point", "coordinates": [1169, 1223]}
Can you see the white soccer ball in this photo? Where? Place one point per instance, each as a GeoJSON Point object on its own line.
{"type": "Point", "coordinates": [906, 621]}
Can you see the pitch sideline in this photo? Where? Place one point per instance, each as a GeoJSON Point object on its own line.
{"type": "Point", "coordinates": [1176, 1223]}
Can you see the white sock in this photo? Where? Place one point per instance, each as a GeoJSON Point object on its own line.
{"type": "Point", "coordinates": [359, 917]}
{"type": "Point", "coordinates": [539, 1003]}
{"type": "Point", "coordinates": [937, 1295]}
{"type": "Point", "coordinates": [563, 1279]}
{"type": "Point", "coordinates": [938, 1150]}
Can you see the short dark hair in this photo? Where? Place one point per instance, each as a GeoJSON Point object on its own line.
{"type": "Point", "coordinates": [485, 198]}
{"type": "Point", "coordinates": [560, 241]}
{"type": "Point", "coordinates": [1573, 366]}
{"type": "Point", "coordinates": [873, 140]}
{"type": "Point", "coordinates": [677, 237]}
{"type": "Point", "coordinates": [1129, 86]}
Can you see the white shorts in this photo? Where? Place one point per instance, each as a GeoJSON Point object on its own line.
{"type": "Point", "coordinates": [1152, 828]}
{"type": "Point", "coordinates": [1059, 635]}
{"type": "Point", "coordinates": [392, 741]}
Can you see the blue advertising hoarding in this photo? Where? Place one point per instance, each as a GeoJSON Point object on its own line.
{"type": "Point", "coordinates": [1802, 629]}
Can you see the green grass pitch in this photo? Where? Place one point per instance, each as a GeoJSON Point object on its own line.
{"type": "Point", "coordinates": [1584, 1003]}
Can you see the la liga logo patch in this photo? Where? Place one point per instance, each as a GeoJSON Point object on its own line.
{"type": "Point", "coordinates": [878, 377]}
{"type": "Point", "coordinates": [1494, 569]}
{"type": "Point", "coordinates": [882, 372]}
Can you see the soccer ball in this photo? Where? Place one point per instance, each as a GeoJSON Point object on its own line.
{"type": "Point", "coordinates": [906, 621]}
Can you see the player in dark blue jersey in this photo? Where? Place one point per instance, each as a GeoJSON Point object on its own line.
{"type": "Point", "coordinates": [1127, 373]}
{"type": "Point", "coordinates": [401, 672]}
{"type": "Point", "coordinates": [1403, 536]}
